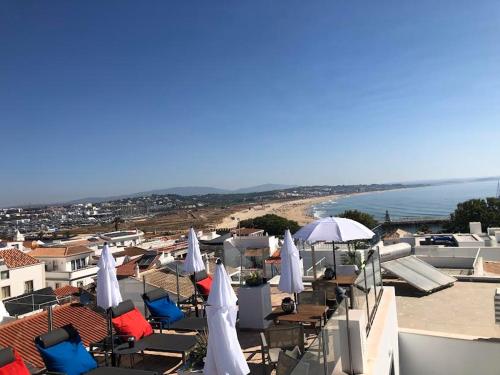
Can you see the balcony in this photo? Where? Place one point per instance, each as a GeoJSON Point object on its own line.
{"type": "Point", "coordinates": [87, 271]}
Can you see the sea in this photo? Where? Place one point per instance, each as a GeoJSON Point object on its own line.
{"type": "Point", "coordinates": [433, 201]}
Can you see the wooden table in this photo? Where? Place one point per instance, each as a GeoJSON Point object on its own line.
{"type": "Point", "coordinates": [344, 279]}
{"type": "Point", "coordinates": [311, 314]}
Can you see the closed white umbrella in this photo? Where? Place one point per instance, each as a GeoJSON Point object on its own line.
{"type": "Point", "coordinates": [291, 274]}
{"type": "Point", "coordinates": [224, 354]}
{"type": "Point", "coordinates": [194, 262]}
{"type": "Point", "coordinates": [333, 229]}
{"type": "Point", "coordinates": [108, 289]}
{"type": "Point", "coordinates": [3, 312]}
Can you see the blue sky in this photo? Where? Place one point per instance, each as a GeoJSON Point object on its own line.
{"type": "Point", "coordinates": [103, 98]}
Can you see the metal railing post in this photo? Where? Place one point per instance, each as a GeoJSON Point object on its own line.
{"type": "Point", "coordinates": [50, 322]}
{"type": "Point", "coordinates": [177, 279]}
{"type": "Point", "coordinates": [366, 297]}
{"type": "Point", "coordinates": [380, 269]}
{"type": "Point", "coordinates": [374, 277]}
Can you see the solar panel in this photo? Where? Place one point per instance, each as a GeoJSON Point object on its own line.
{"type": "Point", "coordinates": [146, 260]}
{"type": "Point", "coordinates": [418, 273]}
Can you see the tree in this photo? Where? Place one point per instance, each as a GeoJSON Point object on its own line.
{"type": "Point", "coordinates": [274, 225]}
{"type": "Point", "coordinates": [486, 211]}
{"type": "Point", "coordinates": [117, 221]}
{"type": "Point", "coordinates": [361, 217]}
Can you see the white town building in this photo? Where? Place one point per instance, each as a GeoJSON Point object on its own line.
{"type": "Point", "coordinates": [70, 265]}
{"type": "Point", "coordinates": [19, 273]}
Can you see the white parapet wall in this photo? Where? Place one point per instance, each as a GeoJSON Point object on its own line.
{"type": "Point", "coordinates": [433, 353]}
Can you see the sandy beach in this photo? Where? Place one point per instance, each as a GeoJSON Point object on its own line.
{"type": "Point", "coordinates": [297, 210]}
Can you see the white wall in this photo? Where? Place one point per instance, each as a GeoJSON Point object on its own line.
{"type": "Point", "coordinates": [383, 340]}
{"type": "Point", "coordinates": [17, 277]}
{"type": "Point", "coordinates": [232, 247]}
{"type": "Point", "coordinates": [423, 353]}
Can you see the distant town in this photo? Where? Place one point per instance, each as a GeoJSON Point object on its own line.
{"type": "Point", "coordinates": [145, 212]}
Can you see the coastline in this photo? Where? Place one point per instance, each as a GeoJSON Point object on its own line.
{"type": "Point", "coordinates": [298, 210]}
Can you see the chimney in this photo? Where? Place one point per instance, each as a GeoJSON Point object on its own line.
{"type": "Point", "coordinates": [475, 227]}
{"type": "Point", "coordinates": [137, 271]}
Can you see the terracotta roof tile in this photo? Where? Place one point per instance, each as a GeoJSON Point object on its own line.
{"type": "Point", "coordinates": [59, 252]}
{"type": "Point", "coordinates": [66, 290]}
{"type": "Point", "coordinates": [21, 333]}
{"type": "Point", "coordinates": [168, 282]}
{"type": "Point", "coordinates": [14, 258]}
{"type": "Point", "coordinates": [128, 269]}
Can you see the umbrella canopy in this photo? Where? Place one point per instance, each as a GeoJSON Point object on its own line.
{"type": "Point", "coordinates": [333, 229]}
{"type": "Point", "coordinates": [3, 312]}
{"type": "Point", "coordinates": [108, 289]}
{"type": "Point", "coordinates": [193, 262]}
{"type": "Point", "coordinates": [291, 274]}
{"type": "Point", "coordinates": [224, 355]}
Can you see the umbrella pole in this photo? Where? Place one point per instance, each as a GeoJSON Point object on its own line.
{"type": "Point", "coordinates": [334, 260]}
{"type": "Point", "coordinates": [195, 296]}
{"type": "Point", "coordinates": [177, 279]}
{"type": "Point", "coordinates": [313, 257]}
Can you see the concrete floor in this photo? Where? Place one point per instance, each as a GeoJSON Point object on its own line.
{"type": "Point", "coordinates": [465, 308]}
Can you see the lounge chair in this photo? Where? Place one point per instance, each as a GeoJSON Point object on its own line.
{"type": "Point", "coordinates": [282, 338]}
{"type": "Point", "coordinates": [128, 322]}
{"type": "Point", "coordinates": [63, 352]}
{"type": "Point", "coordinates": [164, 313]}
{"type": "Point", "coordinates": [12, 363]}
{"type": "Point", "coordinates": [202, 281]}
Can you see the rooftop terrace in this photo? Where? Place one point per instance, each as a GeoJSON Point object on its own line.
{"type": "Point", "coordinates": [465, 308]}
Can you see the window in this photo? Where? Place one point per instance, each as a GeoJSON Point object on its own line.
{"type": "Point", "coordinates": [58, 285]}
{"type": "Point", "coordinates": [79, 284]}
{"type": "Point", "coordinates": [28, 286]}
{"type": "Point", "coordinates": [5, 292]}
{"type": "Point", "coordinates": [4, 275]}
{"type": "Point", "coordinates": [77, 264]}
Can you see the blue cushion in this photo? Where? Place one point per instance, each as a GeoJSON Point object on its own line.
{"type": "Point", "coordinates": [163, 307]}
{"type": "Point", "coordinates": [69, 357]}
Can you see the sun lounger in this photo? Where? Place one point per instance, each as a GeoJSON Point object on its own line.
{"type": "Point", "coordinates": [63, 352]}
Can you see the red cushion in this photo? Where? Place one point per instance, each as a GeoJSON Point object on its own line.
{"type": "Point", "coordinates": [205, 285]}
{"type": "Point", "coordinates": [15, 368]}
{"type": "Point", "coordinates": [132, 324]}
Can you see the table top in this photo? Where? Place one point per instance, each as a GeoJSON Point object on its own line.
{"type": "Point", "coordinates": [175, 343]}
{"type": "Point", "coordinates": [305, 314]}
{"type": "Point", "coordinates": [190, 324]}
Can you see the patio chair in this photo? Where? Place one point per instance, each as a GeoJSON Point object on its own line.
{"type": "Point", "coordinates": [63, 352]}
{"type": "Point", "coordinates": [202, 283]}
{"type": "Point", "coordinates": [277, 339]}
{"type": "Point", "coordinates": [329, 289]}
{"type": "Point", "coordinates": [164, 313]}
{"type": "Point", "coordinates": [128, 322]}
{"type": "Point", "coordinates": [12, 363]}
{"type": "Point", "coordinates": [287, 363]}
{"type": "Point", "coordinates": [313, 297]}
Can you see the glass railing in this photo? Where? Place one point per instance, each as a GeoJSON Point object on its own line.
{"type": "Point", "coordinates": [332, 342]}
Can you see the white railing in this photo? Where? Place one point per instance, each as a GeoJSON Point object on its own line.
{"type": "Point", "coordinates": [318, 265]}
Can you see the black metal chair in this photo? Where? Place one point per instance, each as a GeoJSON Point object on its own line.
{"type": "Point", "coordinates": [185, 324]}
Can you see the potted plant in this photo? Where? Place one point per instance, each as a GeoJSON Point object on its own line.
{"type": "Point", "coordinates": [196, 359]}
{"type": "Point", "coordinates": [254, 279]}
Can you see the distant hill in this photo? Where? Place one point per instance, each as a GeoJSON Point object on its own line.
{"type": "Point", "coordinates": [186, 191]}
{"type": "Point", "coordinates": [261, 188]}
